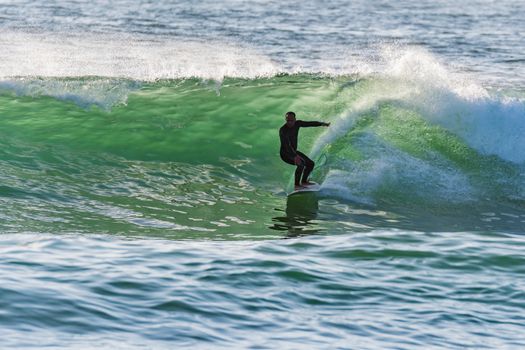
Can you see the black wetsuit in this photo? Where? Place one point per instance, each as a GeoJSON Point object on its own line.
{"type": "Point", "coordinates": [289, 149]}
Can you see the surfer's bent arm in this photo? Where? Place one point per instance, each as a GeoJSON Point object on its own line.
{"type": "Point", "coordinates": [304, 124]}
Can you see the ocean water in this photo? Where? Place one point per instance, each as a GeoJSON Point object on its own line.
{"type": "Point", "coordinates": [143, 201]}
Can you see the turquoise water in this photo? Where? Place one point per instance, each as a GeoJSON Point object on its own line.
{"type": "Point", "coordinates": [143, 201]}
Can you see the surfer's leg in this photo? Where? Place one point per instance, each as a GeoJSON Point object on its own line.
{"type": "Point", "coordinates": [308, 167]}
{"type": "Point", "coordinates": [298, 171]}
{"type": "Point", "coordinates": [288, 159]}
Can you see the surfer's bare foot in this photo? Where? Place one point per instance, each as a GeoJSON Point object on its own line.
{"type": "Point", "coordinates": [298, 187]}
{"type": "Point", "coordinates": [307, 183]}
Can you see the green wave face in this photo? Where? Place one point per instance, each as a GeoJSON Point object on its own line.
{"type": "Point", "coordinates": [190, 159]}
{"type": "Point", "coordinates": [178, 157]}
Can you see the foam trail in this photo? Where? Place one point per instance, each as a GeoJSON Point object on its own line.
{"type": "Point", "coordinates": [387, 171]}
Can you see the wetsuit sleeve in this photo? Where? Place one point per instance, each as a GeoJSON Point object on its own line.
{"type": "Point", "coordinates": [304, 124]}
{"type": "Point", "coordinates": [286, 144]}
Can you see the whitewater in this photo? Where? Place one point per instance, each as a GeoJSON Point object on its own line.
{"type": "Point", "coordinates": [143, 201]}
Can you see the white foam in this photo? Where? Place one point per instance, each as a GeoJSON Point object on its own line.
{"type": "Point", "coordinates": [58, 64]}
{"type": "Point", "coordinates": [416, 79]}
{"type": "Point", "coordinates": [134, 57]}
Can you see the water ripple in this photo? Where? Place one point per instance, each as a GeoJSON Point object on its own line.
{"type": "Point", "coordinates": [314, 291]}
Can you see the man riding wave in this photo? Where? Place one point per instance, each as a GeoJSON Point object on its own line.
{"type": "Point", "coordinates": [288, 134]}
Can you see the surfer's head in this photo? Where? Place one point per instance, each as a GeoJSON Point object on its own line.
{"type": "Point", "coordinates": [290, 119]}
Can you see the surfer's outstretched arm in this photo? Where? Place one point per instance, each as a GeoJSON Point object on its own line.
{"type": "Point", "coordinates": [302, 123]}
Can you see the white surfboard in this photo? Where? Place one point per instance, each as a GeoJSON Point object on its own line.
{"type": "Point", "coordinates": [311, 188]}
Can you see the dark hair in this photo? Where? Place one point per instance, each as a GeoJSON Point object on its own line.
{"type": "Point", "coordinates": [290, 114]}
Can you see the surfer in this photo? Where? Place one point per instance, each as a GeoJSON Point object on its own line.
{"type": "Point", "coordinates": [289, 153]}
